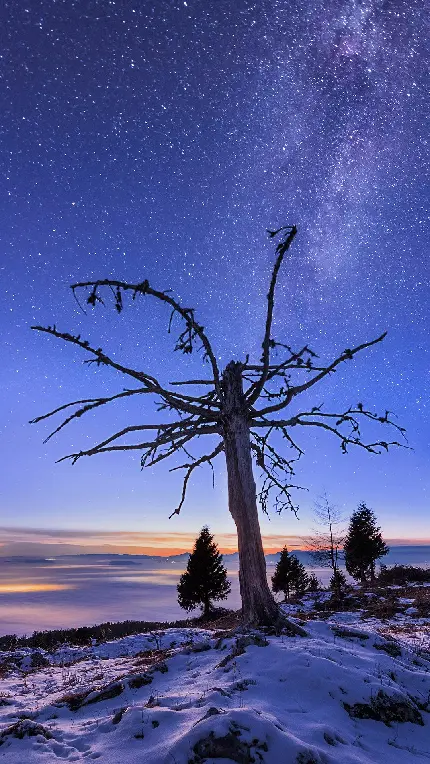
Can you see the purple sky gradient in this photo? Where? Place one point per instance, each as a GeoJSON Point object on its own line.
{"type": "Point", "coordinates": [160, 141]}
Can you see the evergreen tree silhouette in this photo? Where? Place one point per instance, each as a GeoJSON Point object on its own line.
{"type": "Point", "coordinates": [290, 575]}
{"type": "Point", "coordinates": [363, 545]}
{"type": "Point", "coordinates": [338, 583]}
{"type": "Point", "coordinates": [205, 578]}
{"type": "Point", "coordinates": [313, 583]}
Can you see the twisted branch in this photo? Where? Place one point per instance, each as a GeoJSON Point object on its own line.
{"type": "Point", "coordinates": [177, 401]}
{"type": "Point", "coordinates": [190, 467]}
{"type": "Point", "coordinates": [186, 339]}
{"type": "Point", "coordinates": [166, 434]}
{"type": "Point", "coordinates": [92, 403]}
{"type": "Point", "coordinates": [274, 467]}
{"type": "Point", "coordinates": [350, 416]}
{"type": "Point", "coordinates": [347, 355]}
{"type": "Point", "coordinates": [281, 248]}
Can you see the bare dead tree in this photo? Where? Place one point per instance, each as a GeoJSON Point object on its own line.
{"type": "Point", "coordinates": [326, 543]}
{"type": "Point", "coordinates": [245, 405]}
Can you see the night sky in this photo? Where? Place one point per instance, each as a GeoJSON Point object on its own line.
{"type": "Point", "coordinates": [159, 140]}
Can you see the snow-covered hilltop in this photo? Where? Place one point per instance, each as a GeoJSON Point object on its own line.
{"type": "Point", "coordinates": [345, 694]}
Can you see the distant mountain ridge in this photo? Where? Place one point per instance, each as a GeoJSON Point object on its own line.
{"type": "Point", "coordinates": [418, 554]}
{"type": "Point", "coordinates": [26, 552]}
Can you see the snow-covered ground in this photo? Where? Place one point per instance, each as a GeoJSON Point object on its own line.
{"type": "Point", "coordinates": [346, 693]}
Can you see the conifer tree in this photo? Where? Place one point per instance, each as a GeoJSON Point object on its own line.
{"type": "Point", "coordinates": [338, 583]}
{"type": "Point", "coordinates": [205, 578]}
{"type": "Point", "coordinates": [290, 575]}
{"type": "Point", "coordinates": [363, 545]}
{"type": "Point", "coordinates": [313, 583]}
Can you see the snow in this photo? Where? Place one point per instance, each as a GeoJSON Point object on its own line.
{"type": "Point", "coordinates": [191, 695]}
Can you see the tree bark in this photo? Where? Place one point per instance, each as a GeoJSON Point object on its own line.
{"type": "Point", "coordinates": [258, 605]}
{"type": "Point", "coordinates": [206, 608]}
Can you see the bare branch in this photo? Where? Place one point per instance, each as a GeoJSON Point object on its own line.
{"type": "Point", "coordinates": [91, 403]}
{"type": "Point", "coordinates": [351, 417]}
{"type": "Point", "coordinates": [186, 338]}
{"type": "Point", "coordinates": [164, 439]}
{"type": "Point", "coordinates": [281, 248]}
{"type": "Point", "coordinates": [347, 355]}
{"type": "Point", "coordinates": [190, 469]}
{"type": "Point", "coordinates": [194, 382]}
{"type": "Point", "coordinates": [175, 439]}
{"type": "Point", "coordinates": [177, 401]}
{"type": "Point", "coordinates": [301, 359]}
{"type": "Point", "coordinates": [373, 448]}
{"type": "Point", "coordinates": [274, 467]}
{"type": "Point", "coordinates": [351, 414]}
{"type": "Point", "coordinates": [154, 455]}
{"type": "Point", "coordinates": [325, 546]}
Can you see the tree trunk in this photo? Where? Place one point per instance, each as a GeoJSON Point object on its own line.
{"type": "Point", "coordinates": [336, 582]}
{"type": "Point", "coordinates": [258, 604]}
{"type": "Point", "coordinates": [206, 608]}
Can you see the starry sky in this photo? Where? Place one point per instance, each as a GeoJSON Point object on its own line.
{"type": "Point", "coordinates": [159, 140]}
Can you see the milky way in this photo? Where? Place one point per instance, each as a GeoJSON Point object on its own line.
{"type": "Point", "coordinates": [160, 140]}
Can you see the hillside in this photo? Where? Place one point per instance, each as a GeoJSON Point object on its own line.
{"type": "Point", "coordinates": [353, 691]}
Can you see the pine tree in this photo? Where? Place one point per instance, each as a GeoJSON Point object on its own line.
{"type": "Point", "coordinates": [313, 583]}
{"type": "Point", "coordinates": [290, 575]}
{"type": "Point", "coordinates": [338, 583]}
{"type": "Point", "coordinates": [363, 545]}
{"type": "Point", "coordinates": [205, 578]}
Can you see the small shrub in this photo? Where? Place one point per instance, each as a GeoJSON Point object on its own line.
{"type": "Point", "coordinates": [9, 642]}
{"type": "Point", "coordinates": [73, 701]}
{"type": "Point", "coordinates": [387, 709]}
{"type": "Point", "coordinates": [332, 738]}
{"type": "Point", "coordinates": [118, 715]}
{"type": "Point", "coordinates": [314, 583]}
{"type": "Point", "coordinates": [228, 746]}
{"type": "Point", "coordinates": [111, 691]}
{"type": "Point", "coordinates": [162, 667]}
{"type": "Point", "coordinates": [391, 648]}
{"type": "Point", "coordinates": [77, 700]}
{"type": "Point", "coordinates": [307, 757]}
{"type": "Point", "coordinates": [349, 633]}
{"type": "Point", "coordinates": [38, 661]}
{"type": "Point", "coordinates": [139, 680]}
{"type": "Point", "coordinates": [24, 728]}
{"type": "Point", "coordinates": [383, 609]}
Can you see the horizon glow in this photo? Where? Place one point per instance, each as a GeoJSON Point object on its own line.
{"type": "Point", "coordinates": [120, 542]}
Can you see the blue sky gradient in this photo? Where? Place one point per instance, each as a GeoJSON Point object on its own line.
{"type": "Point", "coordinates": [160, 141]}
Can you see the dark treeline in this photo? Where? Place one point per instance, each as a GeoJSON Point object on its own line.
{"type": "Point", "coordinates": [399, 575]}
{"type": "Point", "coordinates": [85, 635]}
